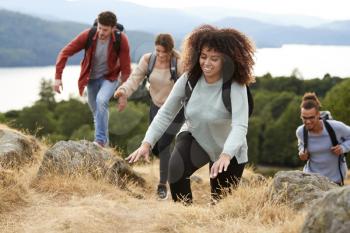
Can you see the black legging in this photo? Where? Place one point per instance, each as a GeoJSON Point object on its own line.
{"type": "Point", "coordinates": [187, 157]}
{"type": "Point", "coordinates": [162, 147]}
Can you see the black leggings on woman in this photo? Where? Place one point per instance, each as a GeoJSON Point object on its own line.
{"type": "Point", "coordinates": [162, 147]}
{"type": "Point", "coordinates": [187, 157]}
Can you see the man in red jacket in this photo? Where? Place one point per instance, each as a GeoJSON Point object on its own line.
{"type": "Point", "coordinates": [102, 68]}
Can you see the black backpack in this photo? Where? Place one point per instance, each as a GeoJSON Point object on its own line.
{"type": "Point", "coordinates": [152, 62]}
{"type": "Point", "coordinates": [325, 116]}
{"type": "Point", "coordinates": [117, 34]}
{"type": "Point", "coordinates": [226, 95]}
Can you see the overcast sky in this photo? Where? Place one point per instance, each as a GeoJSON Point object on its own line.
{"type": "Point", "coordinates": [327, 9]}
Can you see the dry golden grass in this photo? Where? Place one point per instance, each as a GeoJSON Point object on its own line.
{"type": "Point", "coordinates": [12, 194]}
{"type": "Point", "coordinates": [84, 204]}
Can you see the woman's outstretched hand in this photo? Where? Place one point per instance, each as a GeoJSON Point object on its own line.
{"type": "Point", "coordinates": [122, 100]}
{"type": "Point", "coordinates": [220, 165]}
{"type": "Point", "coordinates": [142, 151]}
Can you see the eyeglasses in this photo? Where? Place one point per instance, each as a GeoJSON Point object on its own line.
{"type": "Point", "coordinates": [311, 118]}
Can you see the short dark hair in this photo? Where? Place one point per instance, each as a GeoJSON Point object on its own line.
{"type": "Point", "coordinates": [107, 18]}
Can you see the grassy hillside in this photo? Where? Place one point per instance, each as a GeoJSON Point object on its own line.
{"type": "Point", "coordinates": [83, 204]}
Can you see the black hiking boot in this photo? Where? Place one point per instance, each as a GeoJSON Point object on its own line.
{"type": "Point", "coordinates": [162, 192]}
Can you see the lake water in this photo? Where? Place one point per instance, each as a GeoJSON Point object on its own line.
{"type": "Point", "coordinates": [19, 87]}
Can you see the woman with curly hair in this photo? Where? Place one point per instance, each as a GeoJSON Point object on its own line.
{"type": "Point", "coordinates": [211, 134]}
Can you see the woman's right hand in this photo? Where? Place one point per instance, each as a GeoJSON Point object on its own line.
{"type": "Point", "coordinates": [122, 99]}
{"type": "Point", "coordinates": [142, 151]}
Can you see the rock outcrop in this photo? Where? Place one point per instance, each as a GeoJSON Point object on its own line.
{"type": "Point", "coordinates": [331, 213]}
{"type": "Point", "coordinates": [299, 189]}
{"type": "Point", "coordinates": [16, 149]}
{"type": "Point", "coordinates": [83, 157]}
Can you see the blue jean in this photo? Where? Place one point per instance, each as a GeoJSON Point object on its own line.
{"type": "Point", "coordinates": [99, 93]}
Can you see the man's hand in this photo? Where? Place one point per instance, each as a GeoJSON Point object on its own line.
{"type": "Point", "coordinates": [142, 151]}
{"type": "Point", "coordinates": [304, 155]}
{"type": "Point", "coordinates": [337, 150]}
{"type": "Point", "coordinates": [122, 99]}
{"type": "Point", "coordinates": [58, 86]}
{"type": "Point", "coordinates": [220, 165]}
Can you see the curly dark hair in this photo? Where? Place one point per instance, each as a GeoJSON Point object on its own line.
{"type": "Point", "coordinates": [107, 18]}
{"type": "Point", "coordinates": [237, 49]}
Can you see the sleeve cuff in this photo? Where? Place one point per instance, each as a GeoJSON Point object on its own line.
{"type": "Point", "coordinates": [147, 141]}
{"type": "Point", "coordinates": [228, 153]}
{"type": "Point", "coordinates": [124, 90]}
{"type": "Point", "coordinates": [58, 82]}
{"type": "Point", "coordinates": [343, 149]}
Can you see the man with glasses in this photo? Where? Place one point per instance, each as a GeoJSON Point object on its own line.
{"type": "Point", "coordinates": [323, 152]}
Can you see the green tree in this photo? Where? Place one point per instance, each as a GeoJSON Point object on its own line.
{"type": "Point", "coordinates": [84, 132]}
{"type": "Point", "coordinates": [38, 119]}
{"type": "Point", "coordinates": [254, 139]}
{"type": "Point", "coordinates": [47, 94]}
{"type": "Point", "coordinates": [126, 127]}
{"type": "Point", "coordinates": [2, 118]}
{"type": "Point", "coordinates": [278, 104]}
{"type": "Point", "coordinates": [12, 114]}
{"type": "Point", "coordinates": [280, 143]}
{"type": "Point", "coordinates": [337, 101]}
{"type": "Point", "coordinates": [321, 87]}
{"type": "Point", "coordinates": [71, 115]}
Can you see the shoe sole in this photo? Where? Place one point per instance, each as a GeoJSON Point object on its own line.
{"type": "Point", "coordinates": [163, 199]}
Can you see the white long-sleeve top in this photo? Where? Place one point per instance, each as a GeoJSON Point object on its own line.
{"type": "Point", "coordinates": [206, 117]}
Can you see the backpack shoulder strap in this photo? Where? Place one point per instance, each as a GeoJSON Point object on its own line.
{"type": "Point", "coordinates": [173, 68]}
{"type": "Point", "coordinates": [331, 133]}
{"type": "Point", "coordinates": [305, 138]}
{"type": "Point", "coordinates": [151, 63]}
{"type": "Point", "coordinates": [117, 42]}
{"type": "Point", "coordinates": [335, 142]}
{"type": "Point", "coordinates": [226, 98]}
{"type": "Point", "coordinates": [91, 34]}
{"type": "Point", "coordinates": [226, 95]}
{"type": "Point", "coordinates": [190, 84]}
{"type": "Point", "coordinates": [250, 101]}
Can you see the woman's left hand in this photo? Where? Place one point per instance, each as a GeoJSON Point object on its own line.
{"type": "Point", "coordinates": [220, 165]}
